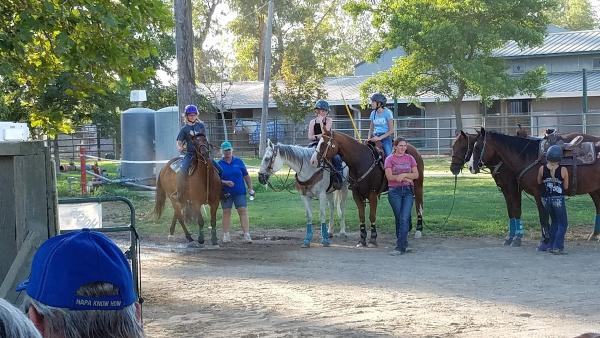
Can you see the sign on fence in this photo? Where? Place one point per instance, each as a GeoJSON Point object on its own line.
{"type": "Point", "coordinates": [78, 216]}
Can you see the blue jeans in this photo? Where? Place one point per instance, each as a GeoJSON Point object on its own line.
{"type": "Point", "coordinates": [186, 162]}
{"type": "Point", "coordinates": [401, 200]}
{"type": "Point", "coordinates": [386, 144]}
{"type": "Point", "coordinates": [557, 209]}
{"type": "Point", "coordinates": [336, 160]}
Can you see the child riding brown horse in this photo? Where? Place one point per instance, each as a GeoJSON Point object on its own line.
{"type": "Point", "coordinates": [366, 176]}
{"type": "Point", "coordinates": [203, 187]}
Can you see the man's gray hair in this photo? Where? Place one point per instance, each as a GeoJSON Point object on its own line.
{"type": "Point", "coordinates": [14, 324]}
{"type": "Point", "coordinates": [65, 323]}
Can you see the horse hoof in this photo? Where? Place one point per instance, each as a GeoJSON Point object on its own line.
{"type": "Point", "coordinates": [516, 242]}
{"type": "Point", "coordinates": [508, 241]}
{"type": "Point", "coordinates": [373, 243]}
{"type": "Point", "coordinates": [305, 245]}
{"type": "Point", "coordinates": [593, 236]}
{"type": "Point", "coordinates": [170, 238]}
{"type": "Point", "coordinates": [418, 234]}
{"type": "Point", "coordinates": [195, 245]}
{"type": "Point", "coordinates": [361, 244]}
{"type": "Point", "coordinates": [325, 244]}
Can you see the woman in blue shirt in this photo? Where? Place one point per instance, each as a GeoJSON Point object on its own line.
{"type": "Point", "coordinates": [234, 191]}
{"type": "Point", "coordinates": [382, 123]}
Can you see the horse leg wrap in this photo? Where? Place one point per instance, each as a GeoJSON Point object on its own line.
{"type": "Point", "coordinates": [324, 235]}
{"type": "Point", "coordinates": [373, 239]}
{"type": "Point", "coordinates": [511, 231]}
{"type": "Point", "coordinates": [201, 237]}
{"type": "Point", "coordinates": [363, 235]}
{"type": "Point", "coordinates": [518, 232]}
{"type": "Point", "coordinates": [419, 223]}
{"type": "Point", "coordinates": [597, 225]}
{"type": "Point", "coordinates": [309, 235]}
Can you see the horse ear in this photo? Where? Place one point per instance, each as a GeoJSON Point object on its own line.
{"type": "Point", "coordinates": [482, 131]}
{"type": "Point", "coordinates": [463, 134]}
{"type": "Point", "coordinates": [269, 143]}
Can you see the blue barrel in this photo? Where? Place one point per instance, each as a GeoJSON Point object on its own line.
{"type": "Point", "coordinates": [167, 124]}
{"type": "Point", "coordinates": [137, 144]}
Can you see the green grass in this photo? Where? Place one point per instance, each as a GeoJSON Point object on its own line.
{"type": "Point", "coordinates": [479, 208]}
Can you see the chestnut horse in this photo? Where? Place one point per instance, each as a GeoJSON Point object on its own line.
{"type": "Point", "coordinates": [521, 157]}
{"type": "Point", "coordinates": [367, 177]}
{"type": "Point", "coordinates": [203, 187]}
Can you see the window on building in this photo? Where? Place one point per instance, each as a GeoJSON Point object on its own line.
{"type": "Point", "coordinates": [519, 107]}
{"type": "Point", "coordinates": [494, 109]}
{"type": "Point", "coordinates": [518, 68]}
{"type": "Point", "coordinates": [596, 63]}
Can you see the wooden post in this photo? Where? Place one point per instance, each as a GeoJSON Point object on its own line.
{"type": "Point", "coordinates": [265, 105]}
{"type": "Point", "coordinates": [83, 172]}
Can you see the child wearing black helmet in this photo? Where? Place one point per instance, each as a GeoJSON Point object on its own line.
{"type": "Point", "coordinates": [554, 181]}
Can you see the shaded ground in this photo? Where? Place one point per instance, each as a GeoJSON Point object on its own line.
{"type": "Point", "coordinates": [447, 288]}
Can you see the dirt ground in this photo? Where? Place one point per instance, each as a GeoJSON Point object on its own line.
{"type": "Point", "coordinates": [447, 287]}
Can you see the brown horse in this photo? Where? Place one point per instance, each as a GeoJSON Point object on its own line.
{"type": "Point", "coordinates": [521, 157]}
{"type": "Point", "coordinates": [203, 187]}
{"type": "Point", "coordinates": [366, 176]}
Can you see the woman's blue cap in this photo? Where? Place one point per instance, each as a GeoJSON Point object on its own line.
{"type": "Point", "coordinates": [65, 263]}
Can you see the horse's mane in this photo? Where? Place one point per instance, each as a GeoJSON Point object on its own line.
{"type": "Point", "coordinates": [525, 146]}
{"type": "Point", "coordinates": [295, 153]}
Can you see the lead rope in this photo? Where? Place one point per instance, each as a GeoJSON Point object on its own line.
{"type": "Point", "coordinates": [453, 199]}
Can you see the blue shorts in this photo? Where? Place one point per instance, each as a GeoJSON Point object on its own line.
{"type": "Point", "coordinates": [238, 200]}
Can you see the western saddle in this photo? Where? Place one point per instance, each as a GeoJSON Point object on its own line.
{"type": "Point", "coordinates": [575, 153]}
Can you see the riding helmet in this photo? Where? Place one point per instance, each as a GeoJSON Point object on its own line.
{"type": "Point", "coordinates": [191, 109]}
{"type": "Point", "coordinates": [322, 104]}
{"type": "Point", "coordinates": [378, 97]}
{"type": "Point", "coordinates": [554, 153]}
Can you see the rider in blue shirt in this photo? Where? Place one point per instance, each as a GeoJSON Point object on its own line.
{"type": "Point", "coordinates": [382, 123]}
{"type": "Point", "coordinates": [192, 128]}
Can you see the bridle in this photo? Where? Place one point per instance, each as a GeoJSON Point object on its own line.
{"type": "Point", "coordinates": [323, 157]}
{"type": "Point", "coordinates": [269, 170]}
{"type": "Point", "coordinates": [468, 154]}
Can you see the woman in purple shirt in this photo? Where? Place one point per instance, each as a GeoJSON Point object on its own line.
{"type": "Point", "coordinates": [401, 171]}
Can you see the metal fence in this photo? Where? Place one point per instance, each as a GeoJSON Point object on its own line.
{"type": "Point", "coordinates": [431, 135]}
{"type": "Point", "coordinates": [91, 137]}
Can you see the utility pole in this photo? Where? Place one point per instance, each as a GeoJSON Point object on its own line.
{"type": "Point", "coordinates": [265, 106]}
{"type": "Point", "coordinates": [184, 37]}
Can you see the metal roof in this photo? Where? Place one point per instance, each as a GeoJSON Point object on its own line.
{"type": "Point", "coordinates": [580, 42]}
{"type": "Point", "coordinates": [248, 94]}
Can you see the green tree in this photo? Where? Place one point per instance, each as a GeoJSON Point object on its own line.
{"type": "Point", "coordinates": [58, 57]}
{"type": "Point", "coordinates": [301, 85]}
{"type": "Point", "coordinates": [338, 43]}
{"type": "Point", "coordinates": [449, 47]}
{"type": "Point", "coordinates": [574, 15]}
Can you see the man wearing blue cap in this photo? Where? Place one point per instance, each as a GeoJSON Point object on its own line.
{"type": "Point", "coordinates": [81, 285]}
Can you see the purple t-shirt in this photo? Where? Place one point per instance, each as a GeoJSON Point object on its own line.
{"type": "Point", "coordinates": [400, 165]}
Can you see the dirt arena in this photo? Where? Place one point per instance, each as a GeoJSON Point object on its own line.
{"type": "Point", "coordinates": [447, 287]}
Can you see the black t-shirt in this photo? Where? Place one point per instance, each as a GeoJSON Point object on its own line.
{"type": "Point", "coordinates": [188, 132]}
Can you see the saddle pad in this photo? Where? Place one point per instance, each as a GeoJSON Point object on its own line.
{"type": "Point", "coordinates": [176, 165]}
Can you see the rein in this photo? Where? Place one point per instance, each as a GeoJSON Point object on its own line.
{"type": "Point", "coordinates": [453, 199]}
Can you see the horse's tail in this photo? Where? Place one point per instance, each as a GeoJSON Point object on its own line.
{"type": "Point", "coordinates": [159, 200]}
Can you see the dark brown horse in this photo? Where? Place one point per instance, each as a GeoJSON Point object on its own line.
{"type": "Point", "coordinates": [366, 176]}
{"type": "Point", "coordinates": [521, 157]}
{"type": "Point", "coordinates": [203, 187]}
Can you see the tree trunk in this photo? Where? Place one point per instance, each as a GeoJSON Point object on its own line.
{"type": "Point", "coordinates": [261, 49]}
{"type": "Point", "coordinates": [222, 111]}
{"type": "Point", "coordinates": [458, 114]}
{"type": "Point", "coordinates": [184, 38]}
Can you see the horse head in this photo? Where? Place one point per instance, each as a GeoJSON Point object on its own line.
{"type": "Point", "coordinates": [482, 152]}
{"type": "Point", "coordinates": [270, 164]}
{"type": "Point", "coordinates": [202, 147]}
{"type": "Point", "coordinates": [325, 149]}
{"type": "Point", "coordinates": [462, 148]}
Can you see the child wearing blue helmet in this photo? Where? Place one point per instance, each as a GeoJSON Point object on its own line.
{"type": "Point", "coordinates": [192, 128]}
{"type": "Point", "coordinates": [554, 181]}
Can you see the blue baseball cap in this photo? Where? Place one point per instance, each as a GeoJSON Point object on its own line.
{"type": "Point", "coordinates": [226, 145]}
{"type": "Point", "coordinates": [65, 263]}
